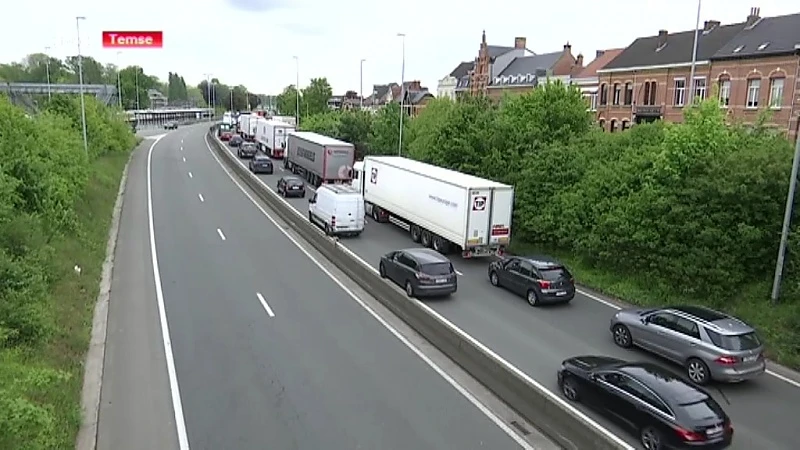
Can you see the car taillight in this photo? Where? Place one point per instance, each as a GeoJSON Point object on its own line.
{"type": "Point", "coordinates": [726, 360]}
{"type": "Point", "coordinates": [424, 278]}
{"type": "Point", "coordinates": [333, 221]}
{"type": "Point", "coordinates": [543, 284]}
{"type": "Point", "coordinates": [689, 435]}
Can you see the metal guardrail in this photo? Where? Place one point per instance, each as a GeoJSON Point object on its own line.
{"type": "Point", "coordinates": [559, 420]}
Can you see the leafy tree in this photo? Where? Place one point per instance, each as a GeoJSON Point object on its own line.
{"type": "Point", "coordinates": [316, 96]}
{"type": "Point", "coordinates": [93, 71]}
{"type": "Point", "coordinates": [196, 96]}
{"type": "Point", "coordinates": [134, 81]}
{"type": "Point", "coordinates": [328, 123]}
{"type": "Point", "coordinates": [384, 137]}
{"type": "Point", "coordinates": [286, 102]}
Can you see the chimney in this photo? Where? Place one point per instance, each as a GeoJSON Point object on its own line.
{"type": "Point", "coordinates": [414, 85]}
{"type": "Point", "coordinates": [567, 48]}
{"type": "Point", "coordinates": [520, 43]}
{"type": "Point", "coordinates": [753, 17]}
{"type": "Point", "coordinates": [710, 25]}
{"type": "Point", "coordinates": [662, 38]}
{"type": "Point", "coordinates": [600, 53]}
{"type": "Point", "coordinates": [579, 60]}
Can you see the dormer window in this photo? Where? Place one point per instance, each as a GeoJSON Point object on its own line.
{"type": "Point", "coordinates": [763, 46]}
{"type": "Point", "coordinates": [513, 78]}
{"type": "Point", "coordinates": [738, 49]}
{"type": "Point", "coordinates": [505, 80]}
{"type": "Point", "coordinates": [496, 80]}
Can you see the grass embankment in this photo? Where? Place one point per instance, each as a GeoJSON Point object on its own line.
{"type": "Point", "coordinates": [776, 323]}
{"type": "Point", "coordinates": [51, 376]}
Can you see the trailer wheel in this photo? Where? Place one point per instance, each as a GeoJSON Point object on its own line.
{"type": "Point", "coordinates": [426, 238]}
{"type": "Point", "coordinates": [415, 233]}
{"type": "Point", "coordinates": [441, 245]}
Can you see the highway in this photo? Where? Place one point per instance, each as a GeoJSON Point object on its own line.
{"type": "Point", "coordinates": [269, 350]}
{"type": "Point", "coordinates": [537, 340]}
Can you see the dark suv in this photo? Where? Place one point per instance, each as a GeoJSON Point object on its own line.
{"type": "Point", "coordinates": [540, 279]}
{"type": "Point", "coordinates": [422, 272]}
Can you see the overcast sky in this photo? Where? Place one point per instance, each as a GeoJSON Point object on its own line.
{"type": "Point", "coordinates": [252, 42]}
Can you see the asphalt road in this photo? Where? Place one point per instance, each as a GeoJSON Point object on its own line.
{"type": "Point", "coordinates": [764, 411]}
{"type": "Point", "coordinates": [269, 351]}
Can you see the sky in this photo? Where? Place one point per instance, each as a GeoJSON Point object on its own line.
{"type": "Point", "coordinates": [253, 42]}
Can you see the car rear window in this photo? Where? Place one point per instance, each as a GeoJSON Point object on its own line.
{"type": "Point", "coordinates": [437, 268]}
{"type": "Point", "coordinates": [295, 182]}
{"type": "Point", "coordinates": [702, 410]}
{"type": "Point", "coordinates": [554, 273]}
{"type": "Point", "coordinates": [734, 342]}
{"type": "Point", "coordinates": [249, 146]}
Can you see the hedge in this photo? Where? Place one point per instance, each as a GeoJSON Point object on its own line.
{"type": "Point", "coordinates": [44, 176]}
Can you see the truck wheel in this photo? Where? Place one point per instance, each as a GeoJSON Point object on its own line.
{"type": "Point", "coordinates": [425, 239]}
{"type": "Point", "coordinates": [440, 245]}
{"type": "Point", "coordinates": [415, 233]}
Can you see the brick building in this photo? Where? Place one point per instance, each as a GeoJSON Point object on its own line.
{"type": "Point", "coordinates": [526, 72]}
{"type": "Point", "coordinates": [491, 60]}
{"type": "Point", "coordinates": [648, 80]}
{"type": "Point", "coordinates": [757, 71]}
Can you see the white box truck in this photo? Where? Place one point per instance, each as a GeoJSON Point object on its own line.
{"type": "Point", "coordinates": [320, 159]}
{"type": "Point", "coordinates": [271, 136]}
{"type": "Point", "coordinates": [440, 208]}
{"type": "Point", "coordinates": [291, 120]}
{"type": "Point", "coordinates": [248, 124]}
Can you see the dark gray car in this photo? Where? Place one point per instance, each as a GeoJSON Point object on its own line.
{"type": "Point", "coordinates": [421, 272]}
{"type": "Point", "coordinates": [247, 150]}
{"type": "Point", "coordinates": [261, 164]}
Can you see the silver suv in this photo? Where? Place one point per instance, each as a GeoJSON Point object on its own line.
{"type": "Point", "coordinates": [709, 344]}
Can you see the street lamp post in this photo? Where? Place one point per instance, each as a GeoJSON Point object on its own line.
{"type": "Point", "coordinates": [208, 95]}
{"type": "Point", "coordinates": [361, 84]}
{"type": "Point", "coordinates": [297, 90]}
{"type": "Point", "coordinates": [402, 94]}
{"type": "Point", "coordinates": [80, 82]}
{"type": "Point", "coordinates": [136, 84]}
{"type": "Point", "coordinates": [47, 68]}
{"type": "Point", "coordinates": [119, 81]}
{"type": "Point", "coordinates": [694, 53]}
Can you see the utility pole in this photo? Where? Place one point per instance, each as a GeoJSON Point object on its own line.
{"type": "Point", "coordinates": [787, 223]}
{"type": "Point", "coordinates": [297, 90]}
{"type": "Point", "coordinates": [361, 85]}
{"type": "Point", "coordinates": [119, 81]}
{"type": "Point", "coordinates": [402, 94]}
{"type": "Point", "coordinates": [136, 83]}
{"type": "Point", "coordinates": [80, 82]}
{"type": "Point", "coordinates": [47, 68]}
{"type": "Point", "coordinates": [208, 95]}
{"type": "Point", "coordinates": [694, 54]}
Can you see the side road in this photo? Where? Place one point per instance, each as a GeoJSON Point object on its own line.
{"type": "Point", "coordinates": [126, 396]}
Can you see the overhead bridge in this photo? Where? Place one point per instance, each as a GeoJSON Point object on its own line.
{"type": "Point", "coordinates": [105, 93]}
{"type": "Point", "coordinates": [169, 114]}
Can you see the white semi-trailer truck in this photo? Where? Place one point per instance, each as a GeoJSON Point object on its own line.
{"type": "Point", "coordinates": [320, 159]}
{"type": "Point", "coordinates": [248, 123]}
{"type": "Point", "coordinates": [440, 208]}
{"type": "Point", "coordinates": [271, 137]}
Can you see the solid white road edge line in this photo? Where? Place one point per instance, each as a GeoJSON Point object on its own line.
{"type": "Point", "coordinates": [463, 391]}
{"type": "Point", "coordinates": [580, 291]}
{"type": "Point", "coordinates": [177, 406]}
{"type": "Point", "coordinates": [265, 304]}
{"type": "Point", "coordinates": [201, 197]}
{"type": "Point", "coordinates": [221, 236]}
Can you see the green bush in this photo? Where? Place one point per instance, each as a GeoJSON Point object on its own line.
{"type": "Point", "coordinates": [44, 175]}
{"type": "Point", "coordinates": [691, 210]}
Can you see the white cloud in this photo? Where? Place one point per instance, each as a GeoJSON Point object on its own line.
{"type": "Point", "coordinates": [252, 42]}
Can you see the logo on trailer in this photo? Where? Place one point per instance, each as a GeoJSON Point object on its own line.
{"type": "Point", "coordinates": [373, 176]}
{"type": "Point", "coordinates": [479, 203]}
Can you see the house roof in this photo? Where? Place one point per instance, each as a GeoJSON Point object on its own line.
{"type": "Point", "coordinates": [527, 65]}
{"type": "Point", "coordinates": [644, 52]}
{"type": "Point", "coordinates": [414, 97]}
{"type": "Point", "coordinates": [599, 63]}
{"type": "Point", "coordinates": [462, 69]}
{"type": "Point", "coordinates": [497, 50]}
{"type": "Point", "coordinates": [780, 34]}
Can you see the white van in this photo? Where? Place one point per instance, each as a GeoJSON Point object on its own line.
{"type": "Point", "coordinates": [338, 209]}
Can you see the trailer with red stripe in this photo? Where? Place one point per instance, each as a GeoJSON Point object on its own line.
{"type": "Point", "coordinates": [440, 208]}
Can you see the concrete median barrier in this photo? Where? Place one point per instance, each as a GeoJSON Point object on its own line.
{"type": "Point", "coordinates": [559, 420]}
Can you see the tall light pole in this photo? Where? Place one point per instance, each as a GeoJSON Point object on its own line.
{"type": "Point", "coordinates": [80, 82]}
{"type": "Point", "coordinates": [119, 81]}
{"type": "Point", "coordinates": [361, 84]}
{"type": "Point", "coordinates": [136, 84]}
{"type": "Point", "coordinates": [47, 68]}
{"type": "Point", "coordinates": [402, 94]}
{"type": "Point", "coordinates": [208, 94]}
{"type": "Point", "coordinates": [694, 52]}
{"type": "Point", "coordinates": [297, 90]}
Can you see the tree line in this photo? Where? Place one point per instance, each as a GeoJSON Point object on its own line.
{"type": "Point", "coordinates": [660, 213]}
{"type": "Point", "coordinates": [133, 80]}
{"type": "Point", "coordinates": [54, 196]}
{"type": "Point", "coordinates": [309, 101]}
{"type": "Point", "coordinates": [228, 98]}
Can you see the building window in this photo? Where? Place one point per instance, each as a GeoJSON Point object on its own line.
{"type": "Point", "coordinates": [776, 93]}
{"type": "Point", "coordinates": [617, 93]}
{"type": "Point", "coordinates": [724, 92]}
{"type": "Point", "coordinates": [603, 95]}
{"type": "Point", "coordinates": [646, 99]}
{"type": "Point", "coordinates": [602, 124]}
{"type": "Point", "coordinates": [649, 93]}
{"type": "Point", "coordinates": [625, 125]}
{"type": "Point", "coordinates": [699, 88]}
{"type": "Point", "coordinates": [628, 93]}
{"type": "Point", "coordinates": [592, 101]}
{"type": "Point", "coordinates": [753, 91]}
{"type": "Point", "coordinates": [680, 91]}
{"type": "Point", "coordinates": [613, 127]}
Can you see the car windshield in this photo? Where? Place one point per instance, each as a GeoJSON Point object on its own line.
{"type": "Point", "coordinates": [735, 342]}
{"type": "Point", "coordinates": [554, 273]}
{"type": "Point", "coordinates": [443, 268]}
{"type": "Point", "coordinates": [702, 410]}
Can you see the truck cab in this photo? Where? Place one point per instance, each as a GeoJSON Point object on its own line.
{"type": "Point", "coordinates": [358, 177]}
